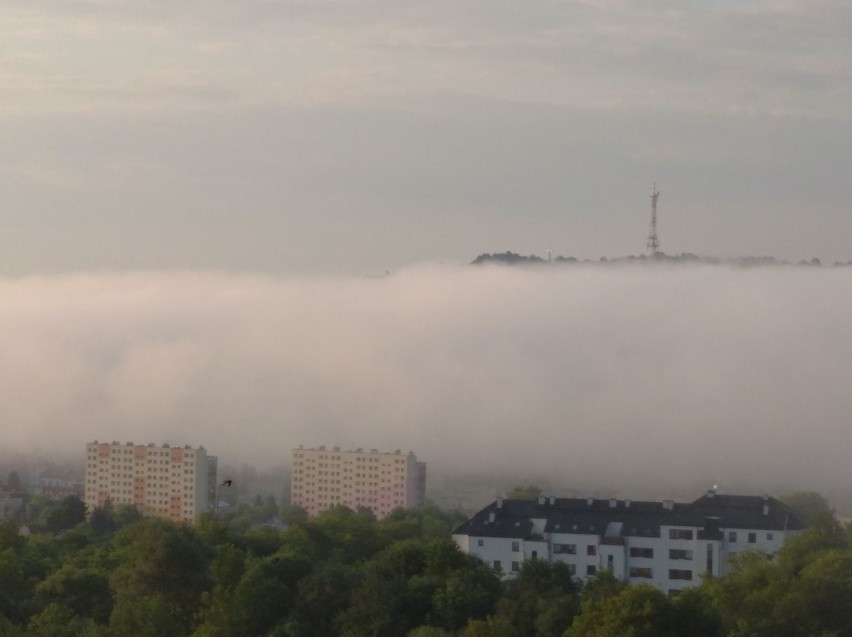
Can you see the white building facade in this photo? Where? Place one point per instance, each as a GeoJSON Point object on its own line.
{"type": "Point", "coordinates": [178, 483]}
{"type": "Point", "coordinates": [323, 478]}
{"type": "Point", "coordinates": [665, 544]}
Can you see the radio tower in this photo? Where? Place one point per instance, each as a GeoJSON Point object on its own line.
{"type": "Point", "coordinates": [653, 242]}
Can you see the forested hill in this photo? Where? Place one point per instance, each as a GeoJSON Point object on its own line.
{"type": "Point", "coordinates": [512, 258]}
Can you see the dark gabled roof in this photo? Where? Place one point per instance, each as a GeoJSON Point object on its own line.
{"type": "Point", "coordinates": [747, 512]}
{"type": "Point", "coordinates": [506, 524]}
{"type": "Point", "coordinates": [618, 518]}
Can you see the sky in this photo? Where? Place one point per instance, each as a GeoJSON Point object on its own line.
{"type": "Point", "coordinates": [359, 136]}
{"type": "Point", "coordinates": [200, 202]}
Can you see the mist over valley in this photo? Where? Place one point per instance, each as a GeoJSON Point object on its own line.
{"type": "Point", "coordinates": [638, 381]}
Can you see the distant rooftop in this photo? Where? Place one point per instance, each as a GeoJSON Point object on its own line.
{"type": "Point", "coordinates": [336, 449]}
{"type": "Point", "coordinates": [591, 516]}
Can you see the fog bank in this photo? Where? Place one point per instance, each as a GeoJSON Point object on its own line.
{"type": "Point", "coordinates": [618, 375]}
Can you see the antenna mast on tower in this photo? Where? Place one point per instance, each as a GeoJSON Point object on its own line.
{"type": "Point", "coordinates": [653, 242]}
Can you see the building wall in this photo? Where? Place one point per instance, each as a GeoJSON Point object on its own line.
{"type": "Point", "coordinates": [382, 482]}
{"type": "Point", "coordinates": [586, 553]}
{"type": "Point", "coordinates": [169, 482]}
{"type": "Point", "coordinates": [647, 560]}
{"type": "Point", "coordinates": [494, 551]}
{"type": "Point", "coordinates": [737, 540]}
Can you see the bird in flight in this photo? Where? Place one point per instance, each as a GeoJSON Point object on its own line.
{"type": "Point", "coordinates": [227, 483]}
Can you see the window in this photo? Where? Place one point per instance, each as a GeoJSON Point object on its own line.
{"type": "Point", "coordinates": [516, 566]}
{"type": "Point", "coordinates": [732, 536]}
{"type": "Point", "coordinates": [679, 554]}
{"type": "Point", "coordinates": [516, 546]}
{"type": "Point", "coordinates": [591, 549]}
{"type": "Point", "coordinates": [570, 549]}
{"type": "Point", "coordinates": [534, 555]}
{"type": "Point", "coordinates": [643, 572]}
{"type": "Point", "coordinates": [497, 565]}
{"type": "Point", "coordinates": [769, 536]}
{"type": "Point", "coordinates": [752, 538]}
{"type": "Point", "coordinates": [572, 569]}
{"type": "Point", "coordinates": [680, 534]}
{"type": "Point", "coordinates": [591, 570]}
{"type": "Point", "coordinates": [679, 574]}
{"type": "Point", "coordinates": [640, 551]}
{"type": "Point", "coordinates": [480, 542]}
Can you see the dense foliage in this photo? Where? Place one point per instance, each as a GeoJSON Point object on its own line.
{"type": "Point", "coordinates": [346, 574]}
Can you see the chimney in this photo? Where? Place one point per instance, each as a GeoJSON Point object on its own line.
{"type": "Point", "coordinates": [711, 493]}
{"type": "Point", "coordinates": [542, 499]}
{"type": "Point", "coordinates": [590, 502]}
{"type": "Point", "coordinates": [499, 503]}
{"type": "Point", "coordinates": [552, 500]}
{"type": "Point", "coordinates": [668, 505]}
{"type": "Point", "coordinates": [627, 504]}
{"type": "Point", "coordinates": [613, 503]}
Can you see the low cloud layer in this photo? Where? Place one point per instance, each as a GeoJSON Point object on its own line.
{"type": "Point", "coordinates": [588, 374]}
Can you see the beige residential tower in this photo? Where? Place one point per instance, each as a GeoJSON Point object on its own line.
{"type": "Point", "coordinates": [178, 483]}
{"type": "Point", "coordinates": [323, 478]}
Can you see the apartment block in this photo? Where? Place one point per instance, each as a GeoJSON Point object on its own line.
{"type": "Point", "coordinates": [178, 483]}
{"type": "Point", "coordinates": [323, 478]}
{"type": "Point", "coordinates": [665, 544]}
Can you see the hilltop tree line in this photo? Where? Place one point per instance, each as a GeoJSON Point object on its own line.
{"type": "Point", "coordinates": [346, 574]}
{"type": "Point", "coordinates": [512, 258]}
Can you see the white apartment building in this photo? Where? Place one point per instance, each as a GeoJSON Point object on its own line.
{"type": "Point", "coordinates": [381, 482]}
{"type": "Point", "coordinates": [178, 483]}
{"type": "Point", "coordinates": [666, 544]}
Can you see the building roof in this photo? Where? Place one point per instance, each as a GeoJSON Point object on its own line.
{"type": "Point", "coordinates": [614, 519]}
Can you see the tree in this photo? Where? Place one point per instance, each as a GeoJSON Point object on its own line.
{"type": "Point", "coordinates": [102, 520]}
{"type": "Point", "coordinates": [426, 522]}
{"type": "Point", "coordinates": [817, 601]}
{"type": "Point", "coordinates": [108, 519]}
{"type": "Point", "coordinates": [529, 492]}
{"type": "Point", "coordinates": [65, 514]}
{"type": "Point", "coordinates": [84, 591]}
{"type": "Point", "coordinates": [541, 601]}
{"type": "Point", "coordinates": [800, 593]}
{"type": "Point", "coordinates": [10, 537]}
{"type": "Point", "coordinates": [157, 558]}
{"type": "Point", "coordinates": [226, 570]}
{"type": "Point", "coordinates": [490, 627]}
{"type": "Point", "coordinates": [59, 621]}
{"type": "Point", "coordinates": [267, 593]}
{"type": "Point", "coordinates": [810, 505]}
{"type": "Point", "coordinates": [9, 628]}
{"type": "Point", "coordinates": [346, 535]}
{"type": "Point", "coordinates": [414, 583]}
{"type": "Point", "coordinates": [149, 616]}
{"type": "Point", "coordinates": [322, 595]}
{"type": "Point", "coordinates": [16, 588]}
{"type": "Point", "coordinates": [394, 597]}
{"type": "Point", "coordinates": [292, 514]}
{"type": "Point", "coordinates": [125, 515]}
{"type": "Point", "coordinates": [428, 631]}
{"type": "Point", "coordinates": [469, 592]}
{"type": "Point", "coordinates": [637, 611]}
